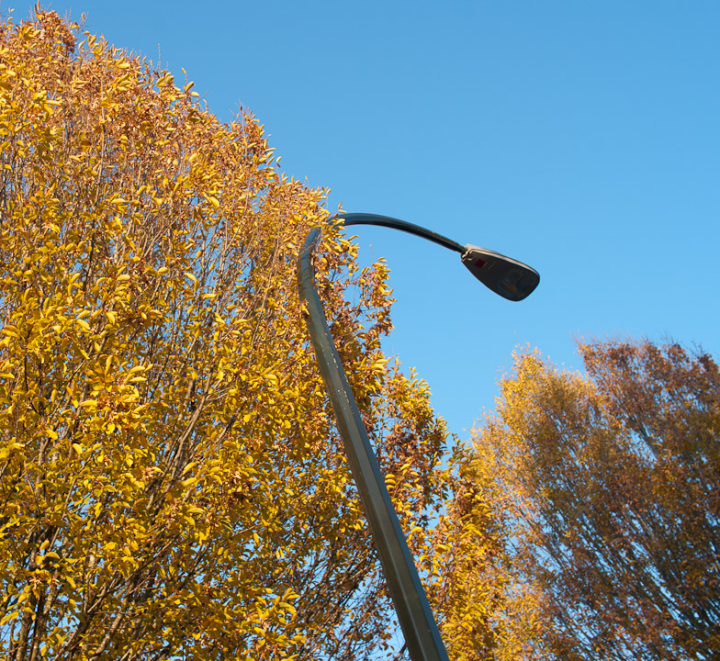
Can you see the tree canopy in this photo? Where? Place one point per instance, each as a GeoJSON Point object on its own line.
{"type": "Point", "coordinates": [606, 493]}
{"type": "Point", "coordinates": [171, 481]}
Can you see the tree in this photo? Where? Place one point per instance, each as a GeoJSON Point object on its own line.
{"type": "Point", "coordinates": [171, 481]}
{"type": "Point", "coordinates": [488, 614]}
{"type": "Point", "coordinates": [610, 485]}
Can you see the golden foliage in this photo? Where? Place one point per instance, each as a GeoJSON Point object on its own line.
{"type": "Point", "coordinates": [611, 486]}
{"type": "Point", "coordinates": [171, 483]}
{"type": "Point", "coordinates": [488, 612]}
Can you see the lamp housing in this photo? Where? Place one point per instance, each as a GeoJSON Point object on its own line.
{"type": "Point", "coordinates": [507, 277]}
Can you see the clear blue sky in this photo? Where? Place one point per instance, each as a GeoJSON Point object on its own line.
{"type": "Point", "coordinates": [580, 137]}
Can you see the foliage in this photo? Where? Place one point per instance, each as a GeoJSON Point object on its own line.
{"type": "Point", "coordinates": [171, 482]}
{"type": "Point", "coordinates": [612, 485]}
{"type": "Point", "coordinates": [488, 614]}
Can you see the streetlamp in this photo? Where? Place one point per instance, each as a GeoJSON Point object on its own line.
{"type": "Point", "coordinates": [508, 278]}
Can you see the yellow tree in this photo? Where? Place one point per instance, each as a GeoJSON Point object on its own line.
{"type": "Point", "coordinates": [488, 612]}
{"type": "Point", "coordinates": [610, 485]}
{"type": "Point", "coordinates": [171, 481]}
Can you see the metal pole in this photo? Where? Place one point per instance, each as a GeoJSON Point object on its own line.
{"type": "Point", "coordinates": [422, 636]}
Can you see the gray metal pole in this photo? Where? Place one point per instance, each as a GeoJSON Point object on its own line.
{"type": "Point", "coordinates": [413, 610]}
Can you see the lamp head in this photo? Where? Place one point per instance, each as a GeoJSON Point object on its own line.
{"type": "Point", "coordinates": [507, 277]}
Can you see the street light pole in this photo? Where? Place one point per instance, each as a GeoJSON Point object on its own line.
{"type": "Point", "coordinates": [510, 279]}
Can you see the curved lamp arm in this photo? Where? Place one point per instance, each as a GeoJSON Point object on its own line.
{"type": "Point", "coordinates": [507, 277]}
{"type": "Point", "coordinates": [422, 636]}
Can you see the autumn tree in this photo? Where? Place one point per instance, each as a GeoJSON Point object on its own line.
{"type": "Point", "coordinates": [171, 481]}
{"type": "Point", "coordinates": [609, 485]}
{"type": "Point", "coordinates": [487, 613]}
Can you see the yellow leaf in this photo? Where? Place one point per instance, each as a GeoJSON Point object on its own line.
{"type": "Point", "coordinates": [9, 618]}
